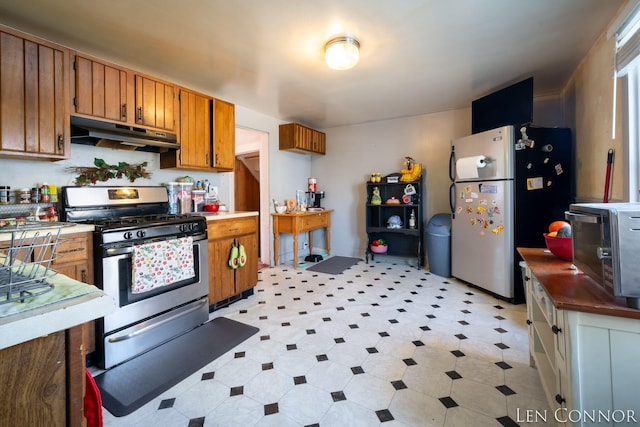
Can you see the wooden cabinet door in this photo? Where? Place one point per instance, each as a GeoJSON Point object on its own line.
{"type": "Point", "coordinates": [34, 120]}
{"type": "Point", "coordinates": [221, 276]}
{"type": "Point", "coordinates": [34, 375]}
{"type": "Point", "coordinates": [195, 130]}
{"type": "Point", "coordinates": [100, 89]}
{"type": "Point", "coordinates": [224, 135]}
{"type": "Point", "coordinates": [247, 275]}
{"type": "Point", "coordinates": [155, 103]}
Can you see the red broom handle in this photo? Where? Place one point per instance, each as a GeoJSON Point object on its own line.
{"type": "Point", "coordinates": [607, 181]}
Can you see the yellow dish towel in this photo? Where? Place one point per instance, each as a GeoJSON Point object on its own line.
{"type": "Point", "coordinates": [161, 263]}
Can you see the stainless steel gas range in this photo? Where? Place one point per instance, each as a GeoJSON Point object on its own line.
{"type": "Point", "coordinates": [153, 264]}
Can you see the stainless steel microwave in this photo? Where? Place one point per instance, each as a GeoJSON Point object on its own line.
{"type": "Point", "coordinates": [606, 246]}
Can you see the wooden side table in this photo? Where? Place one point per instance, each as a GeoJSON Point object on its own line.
{"type": "Point", "coordinates": [299, 222]}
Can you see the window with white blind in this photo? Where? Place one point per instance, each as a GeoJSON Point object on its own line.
{"type": "Point", "coordinates": [627, 67]}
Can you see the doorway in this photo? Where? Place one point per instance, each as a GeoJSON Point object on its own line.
{"type": "Point", "coordinates": [251, 182]}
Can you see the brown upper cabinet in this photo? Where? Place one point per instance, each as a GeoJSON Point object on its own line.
{"type": "Point", "coordinates": [224, 135]}
{"type": "Point", "coordinates": [100, 89]}
{"type": "Point", "coordinates": [195, 134]}
{"type": "Point", "coordinates": [34, 94]}
{"type": "Point", "coordinates": [207, 135]}
{"type": "Point", "coordinates": [156, 103]}
{"type": "Point", "coordinates": [110, 92]}
{"type": "Point", "coordinates": [301, 139]}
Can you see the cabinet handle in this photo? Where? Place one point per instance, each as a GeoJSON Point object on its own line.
{"type": "Point", "coordinates": [60, 142]}
{"type": "Point", "coordinates": [529, 322]}
{"type": "Point", "coordinates": [83, 276]}
{"type": "Point", "coordinates": [527, 278]}
{"type": "Point", "coordinates": [560, 399]}
{"type": "Point", "coordinates": [555, 329]}
{"type": "Point", "coordinates": [124, 111]}
{"type": "Point", "coordinates": [139, 114]}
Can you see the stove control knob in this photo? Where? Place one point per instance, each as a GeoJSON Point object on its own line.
{"type": "Point", "coordinates": [140, 233]}
{"type": "Point", "coordinates": [128, 235]}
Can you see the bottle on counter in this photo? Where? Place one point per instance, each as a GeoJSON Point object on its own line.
{"type": "Point", "coordinates": [25, 195]}
{"type": "Point", "coordinates": [53, 193]}
{"type": "Point", "coordinates": [35, 195]}
{"type": "Point", "coordinates": [4, 194]}
{"type": "Point", "coordinates": [45, 197]}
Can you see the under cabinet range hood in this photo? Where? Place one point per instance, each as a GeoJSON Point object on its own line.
{"type": "Point", "coordinates": [112, 135]}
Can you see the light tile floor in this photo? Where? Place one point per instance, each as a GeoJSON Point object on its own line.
{"type": "Point", "coordinates": [381, 344]}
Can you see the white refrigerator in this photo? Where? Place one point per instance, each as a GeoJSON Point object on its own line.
{"type": "Point", "coordinates": [482, 206]}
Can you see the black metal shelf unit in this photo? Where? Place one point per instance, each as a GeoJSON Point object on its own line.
{"type": "Point", "coordinates": [403, 241]}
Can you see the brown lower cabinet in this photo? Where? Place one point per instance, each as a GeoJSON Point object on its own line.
{"type": "Point", "coordinates": [226, 282]}
{"type": "Point", "coordinates": [43, 381]}
{"type": "Point", "coordinates": [74, 258]}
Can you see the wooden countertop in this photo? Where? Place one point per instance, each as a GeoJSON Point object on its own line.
{"type": "Point", "coordinates": [570, 289]}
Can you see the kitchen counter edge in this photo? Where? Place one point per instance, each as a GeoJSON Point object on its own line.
{"type": "Point", "coordinates": [28, 325]}
{"type": "Point", "coordinates": [214, 216]}
{"type": "Point", "coordinates": [77, 228]}
{"type": "Point", "coordinates": [571, 289]}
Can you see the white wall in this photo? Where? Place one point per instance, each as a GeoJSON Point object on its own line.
{"type": "Point", "coordinates": [28, 173]}
{"type": "Point", "coordinates": [353, 152]}
{"type": "Point", "coordinates": [288, 172]}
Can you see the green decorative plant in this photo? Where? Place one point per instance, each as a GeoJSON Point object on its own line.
{"type": "Point", "coordinates": [104, 172]}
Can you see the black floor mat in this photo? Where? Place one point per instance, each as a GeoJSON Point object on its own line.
{"type": "Point", "coordinates": [334, 265]}
{"type": "Point", "coordinates": [127, 387]}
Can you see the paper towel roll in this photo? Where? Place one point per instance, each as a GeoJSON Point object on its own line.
{"type": "Point", "coordinates": [467, 167]}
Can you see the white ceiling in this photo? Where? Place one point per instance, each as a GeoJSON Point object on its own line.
{"type": "Point", "coordinates": [417, 56]}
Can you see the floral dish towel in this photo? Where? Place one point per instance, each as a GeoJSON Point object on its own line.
{"type": "Point", "coordinates": [161, 263]}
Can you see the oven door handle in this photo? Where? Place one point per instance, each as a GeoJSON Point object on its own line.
{"type": "Point", "coordinates": [590, 219]}
{"type": "Point", "coordinates": [155, 325]}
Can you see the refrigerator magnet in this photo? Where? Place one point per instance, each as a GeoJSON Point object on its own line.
{"type": "Point", "coordinates": [459, 209]}
{"type": "Point", "coordinates": [558, 169]}
{"type": "Point", "coordinates": [489, 189]}
{"type": "Point", "coordinates": [534, 183]}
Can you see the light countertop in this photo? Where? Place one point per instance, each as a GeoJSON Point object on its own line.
{"type": "Point", "coordinates": [76, 228]}
{"type": "Point", "coordinates": [213, 216]}
{"type": "Point", "coordinates": [70, 303]}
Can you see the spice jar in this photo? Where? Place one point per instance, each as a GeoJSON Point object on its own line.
{"type": "Point", "coordinates": [4, 194]}
{"type": "Point", "coordinates": [25, 195]}
{"type": "Point", "coordinates": [35, 195]}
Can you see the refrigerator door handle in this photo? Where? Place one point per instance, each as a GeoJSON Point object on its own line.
{"type": "Point", "coordinates": [452, 199]}
{"type": "Point", "coordinates": [452, 164]}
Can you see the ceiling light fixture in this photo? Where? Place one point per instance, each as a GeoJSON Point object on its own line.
{"type": "Point", "coordinates": [342, 53]}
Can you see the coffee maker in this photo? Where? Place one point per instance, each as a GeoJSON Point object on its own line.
{"type": "Point", "coordinates": [313, 199]}
{"type": "Point", "coordinates": [314, 196]}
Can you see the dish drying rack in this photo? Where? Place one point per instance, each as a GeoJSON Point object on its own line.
{"type": "Point", "coordinates": [25, 263]}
